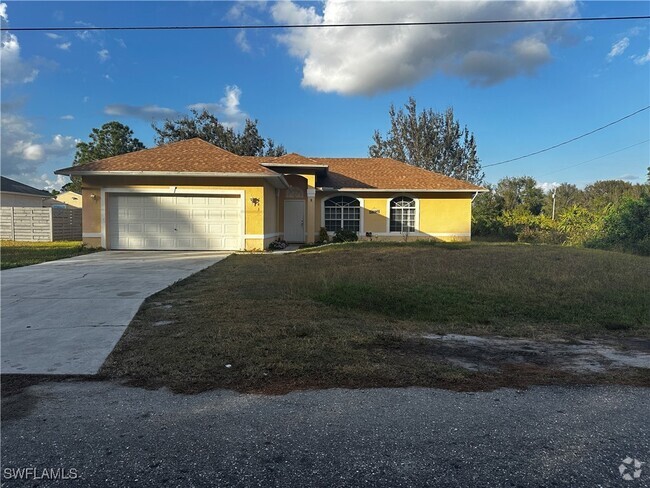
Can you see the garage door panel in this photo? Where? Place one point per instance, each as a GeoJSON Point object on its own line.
{"type": "Point", "coordinates": [175, 222]}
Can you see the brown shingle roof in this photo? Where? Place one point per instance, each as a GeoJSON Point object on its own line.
{"type": "Point", "coordinates": [189, 156]}
{"type": "Point", "coordinates": [385, 173]}
{"type": "Point", "coordinates": [198, 156]}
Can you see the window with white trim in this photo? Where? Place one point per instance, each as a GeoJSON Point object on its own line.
{"type": "Point", "coordinates": [402, 215]}
{"type": "Point", "coordinates": [342, 213]}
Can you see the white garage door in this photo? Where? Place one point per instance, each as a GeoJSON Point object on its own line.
{"type": "Point", "coordinates": [172, 222]}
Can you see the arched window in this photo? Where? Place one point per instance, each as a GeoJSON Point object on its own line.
{"type": "Point", "coordinates": [342, 213]}
{"type": "Point", "coordinates": [402, 214]}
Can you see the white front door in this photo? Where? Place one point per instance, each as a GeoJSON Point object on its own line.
{"type": "Point", "coordinates": [294, 220]}
{"type": "Point", "coordinates": [175, 222]}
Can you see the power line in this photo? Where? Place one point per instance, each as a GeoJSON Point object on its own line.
{"type": "Point", "coordinates": [596, 158]}
{"type": "Point", "coordinates": [317, 26]}
{"type": "Point", "coordinates": [566, 142]}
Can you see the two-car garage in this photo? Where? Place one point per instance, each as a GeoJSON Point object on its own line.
{"type": "Point", "coordinates": [175, 222]}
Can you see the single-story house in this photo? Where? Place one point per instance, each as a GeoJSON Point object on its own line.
{"type": "Point", "coordinates": [194, 195]}
{"type": "Point", "coordinates": [16, 194]}
{"type": "Point", "coordinates": [70, 199]}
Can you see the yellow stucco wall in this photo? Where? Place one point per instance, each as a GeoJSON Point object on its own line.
{"type": "Point", "coordinates": [70, 198]}
{"type": "Point", "coordinates": [254, 198]}
{"type": "Point", "coordinates": [442, 216]}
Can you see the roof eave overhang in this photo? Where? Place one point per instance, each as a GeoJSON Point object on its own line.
{"type": "Point", "coordinates": [279, 165]}
{"type": "Point", "coordinates": [404, 190]}
{"type": "Point", "coordinates": [277, 180]}
{"type": "Point", "coordinates": [25, 194]}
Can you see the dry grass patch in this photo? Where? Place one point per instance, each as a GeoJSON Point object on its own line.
{"type": "Point", "coordinates": [346, 316]}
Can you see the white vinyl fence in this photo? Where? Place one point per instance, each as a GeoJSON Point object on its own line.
{"type": "Point", "coordinates": [40, 224]}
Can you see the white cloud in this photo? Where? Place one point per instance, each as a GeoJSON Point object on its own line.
{"type": "Point", "coordinates": [546, 186]}
{"type": "Point", "coordinates": [104, 55]}
{"type": "Point", "coordinates": [24, 153]}
{"type": "Point", "coordinates": [52, 35]}
{"type": "Point", "coordinates": [242, 41]}
{"type": "Point", "coordinates": [618, 48]}
{"type": "Point", "coordinates": [629, 177]}
{"type": "Point", "coordinates": [120, 42]}
{"type": "Point", "coordinates": [374, 59]}
{"type": "Point", "coordinates": [239, 11]}
{"type": "Point", "coordinates": [227, 109]}
{"type": "Point", "coordinates": [13, 68]}
{"type": "Point", "coordinates": [107, 77]}
{"type": "Point", "coordinates": [144, 112]}
{"type": "Point", "coordinates": [641, 60]}
{"type": "Point", "coordinates": [589, 38]}
{"type": "Point", "coordinates": [64, 46]}
{"type": "Point", "coordinates": [67, 117]}
{"type": "Point", "coordinates": [88, 35]}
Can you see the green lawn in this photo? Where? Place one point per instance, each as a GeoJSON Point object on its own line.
{"type": "Point", "coordinates": [350, 315]}
{"type": "Point", "coordinates": [14, 253]}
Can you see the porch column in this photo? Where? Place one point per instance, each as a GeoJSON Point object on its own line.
{"type": "Point", "coordinates": [310, 228]}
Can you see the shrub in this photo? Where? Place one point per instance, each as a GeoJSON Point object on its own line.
{"type": "Point", "coordinates": [343, 235]}
{"type": "Point", "coordinates": [323, 236]}
{"type": "Point", "coordinates": [278, 245]}
{"type": "Point", "coordinates": [626, 227]}
{"type": "Point", "coordinates": [579, 225]}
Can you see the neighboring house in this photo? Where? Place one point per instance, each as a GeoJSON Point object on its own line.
{"type": "Point", "coordinates": [194, 195]}
{"type": "Point", "coordinates": [70, 198]}
{"type": "Point", "coordinates": [16, 194]}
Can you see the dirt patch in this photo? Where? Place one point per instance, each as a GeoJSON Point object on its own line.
{"type": "Point", "coordinates": [489, 354]}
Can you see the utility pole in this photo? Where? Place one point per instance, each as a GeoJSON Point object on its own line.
{"type": "Point", "coordinates": [553, 214]}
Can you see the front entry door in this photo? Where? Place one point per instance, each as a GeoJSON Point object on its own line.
{"type": "Point", "coordinates": [294, 220]}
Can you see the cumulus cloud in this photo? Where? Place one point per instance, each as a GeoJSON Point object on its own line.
{"type": "Point", "coordinates": [13, 68]}
{"type": "Point", "coordinates": [618, 48]}
{"type": "Point", "coordinates": [143, 112]}
{"type": "Point", "coordinates": [358, 60]}
{"type": "Point", "coordinates": [67, 117]}
{"type": "Point", "coordinates": [52, 35]}
{"type": "Point", "coordinates": [104, 55]}
{"type": "Point", "coordinates": [24, 152]}
{"type": "Point", "coordinates": [64, 46]}
{"type": "Point", "coordinates": [641, 60]}
{"type": "Point", "coordinates": [227, 109]}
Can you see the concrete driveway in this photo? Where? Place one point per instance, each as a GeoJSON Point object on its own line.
{"type": "Point", "coordinates": [65, 317]}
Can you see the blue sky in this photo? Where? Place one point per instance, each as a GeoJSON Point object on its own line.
{"type": "Point", "coordinates": [324, 93]}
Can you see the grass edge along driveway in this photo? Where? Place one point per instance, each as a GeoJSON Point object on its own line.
{"type": "Point", "coordinates": [352, 316]}
{"type": "Point", "coordinates": [14, 254]}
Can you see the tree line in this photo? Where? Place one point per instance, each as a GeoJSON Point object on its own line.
{"type": "Point", "coordinates": [608, 214]}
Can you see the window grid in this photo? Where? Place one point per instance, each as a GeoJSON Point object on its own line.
{"type": "Point", "coordinates": [402, 215]}
{"type": "Point", "coordinates": [342, 213]}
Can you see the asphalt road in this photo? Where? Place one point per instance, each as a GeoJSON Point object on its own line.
{"type": "Point", "coordinates": [119, 436]}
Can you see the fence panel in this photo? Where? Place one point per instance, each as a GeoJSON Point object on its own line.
{"type": "Point", "coordinates": [40, 224]}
